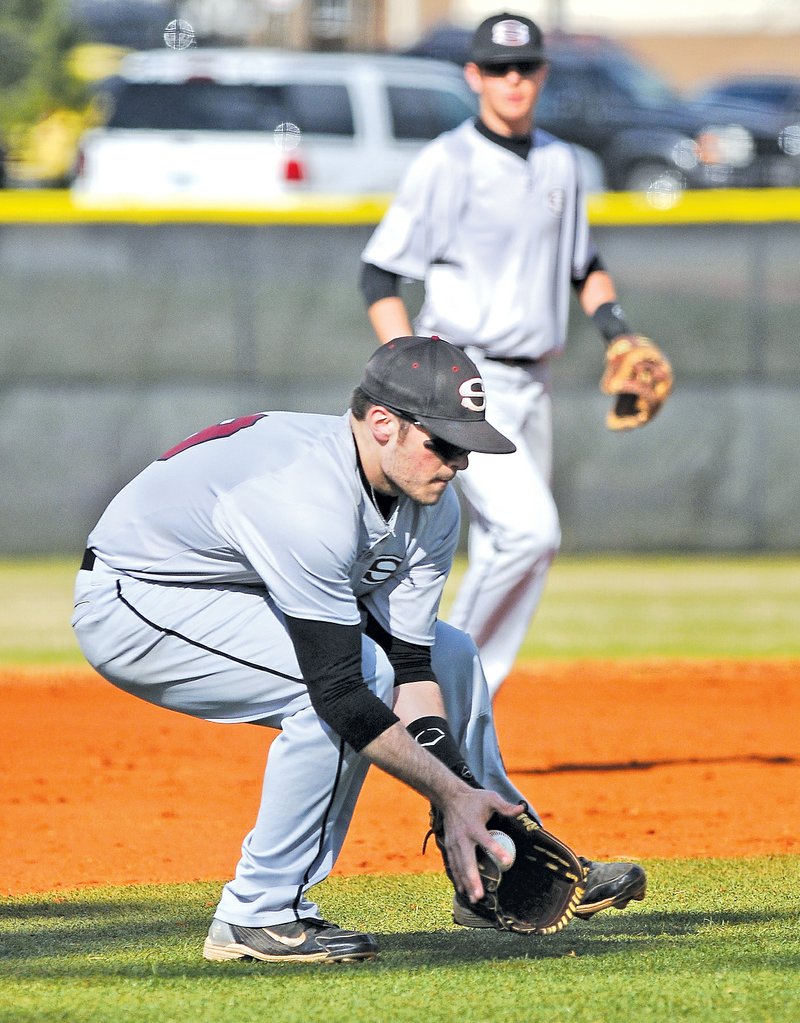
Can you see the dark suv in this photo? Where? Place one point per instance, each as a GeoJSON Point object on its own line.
{"type": "Point", "coordinates": [645, 135]}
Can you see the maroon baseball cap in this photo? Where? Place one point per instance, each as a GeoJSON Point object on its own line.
{"type": "Point", "coordinates": [507, 38]}
{"type": "Point", "coordinates": [436, 385]}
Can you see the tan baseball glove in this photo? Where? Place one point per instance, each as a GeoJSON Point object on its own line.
{"type": "Point", "coordinates": [639, 375]}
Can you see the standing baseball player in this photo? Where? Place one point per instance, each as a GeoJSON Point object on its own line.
{"type": "Point", "coordinates": [491, 217]}
{"type": "Point", "coordinates": [285, 569]}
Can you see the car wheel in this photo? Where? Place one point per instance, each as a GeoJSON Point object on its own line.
{"type": "Point", "coordinates": [652, 177]}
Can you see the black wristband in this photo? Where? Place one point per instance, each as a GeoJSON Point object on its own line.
{"type": "Point", "coordinates": [609, 318]}
{"type": "Point", "coordinates": [433, 733]}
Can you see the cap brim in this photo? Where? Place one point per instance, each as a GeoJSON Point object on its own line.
{"type": "Point", "coordinates": [472, 436]}
{"type": "Point", "coordinates": [510, 57]}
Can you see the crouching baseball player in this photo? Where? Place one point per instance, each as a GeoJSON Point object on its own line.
{"type": "Point", "coordinates": [285, 569]}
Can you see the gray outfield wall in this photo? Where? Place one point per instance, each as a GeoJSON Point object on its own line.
{"type": "Point", "coordinates": [117, 340]}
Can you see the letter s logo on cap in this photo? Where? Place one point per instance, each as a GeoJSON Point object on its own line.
{"type": "Point", "coordinates": [473, 396]}
{"type": "Point", "coordinates": [510, 33]}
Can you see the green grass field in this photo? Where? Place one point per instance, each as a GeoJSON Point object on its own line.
{"type": "Point", "coordinates": [593, 607]}
{"type": "Point", "coordinates": [715, 940]}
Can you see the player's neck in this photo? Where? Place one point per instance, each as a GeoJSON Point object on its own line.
{"type": "Point", "coordinates": [516, 128]}
{"type": "Point", "coordinates": [375, 483]}
{"type": "Point", "coordinates": [519, 145]}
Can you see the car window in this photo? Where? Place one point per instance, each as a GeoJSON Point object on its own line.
{"type": "Point", "coordinates": [573, 92]}
{"type": "Point", "coordinates": [772, 95]}
{"type": "Point", "coordinates": [742, 92]}
{"type": "Point", "coordinates": [213, 106]}
{"type": "Point", "coordinates": [419, 113]}
{"type": "Point", "coordinates": [602, 79]}
{"type": "Point", "coordinates": [319, 109]}
{"type": "Point", "coordinates": [641, 83]}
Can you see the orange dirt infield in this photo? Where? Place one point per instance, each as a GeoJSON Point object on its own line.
{"type": "Point", "coordinates": [659, 758]}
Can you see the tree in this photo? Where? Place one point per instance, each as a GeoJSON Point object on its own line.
{"type": "Point", "coordinates": [36, 37]}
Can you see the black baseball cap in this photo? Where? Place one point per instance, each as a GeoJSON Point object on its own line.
{"type": "Point", "coordinates": [438, 386]}
{"type": "Point", "coordinates": [506, 39]}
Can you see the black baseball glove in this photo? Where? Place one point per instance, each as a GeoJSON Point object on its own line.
{"type": "Point", "coordinates": [538, 894]}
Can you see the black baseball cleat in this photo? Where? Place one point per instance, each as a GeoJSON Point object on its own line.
{"type": "Point", "coordinates": [300, 941]}
{"type": "Point", "coordinates": [610, 885]}
{"type": "Point", "coordinates": [465, 917]}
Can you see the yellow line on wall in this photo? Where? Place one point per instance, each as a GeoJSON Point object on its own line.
{"type": "Point", "coordinates": [609, 209]}
{"type": "Point", "coordinates": [757, 205]}
{"type": "Point", "coordinates": [61, 206]}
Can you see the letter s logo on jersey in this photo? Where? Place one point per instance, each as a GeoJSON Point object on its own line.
{"type": "Point", "coordinates": [473, 396]}
{"type": "Point", "coordinates": [380, 569]}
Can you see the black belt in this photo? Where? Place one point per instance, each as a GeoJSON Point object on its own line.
{"type": "Point", "coordinates": [89, 558]}
{"type": "Point", "coordinates": [516, 363]}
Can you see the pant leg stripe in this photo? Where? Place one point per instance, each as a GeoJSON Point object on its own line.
{"type": "Point", "coordinates": [201, 646]}
{"type": "Point", "coordinates": [323, 827]}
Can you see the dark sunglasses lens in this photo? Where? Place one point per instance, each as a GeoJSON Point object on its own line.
{"type": "Point", "coordinates": [501, 70]}
{"type": "Point", "coordinates": [446, 451]}
{"type": "Point", "coordinates": [442, 448]}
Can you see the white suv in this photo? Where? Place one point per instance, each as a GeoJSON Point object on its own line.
{"type": "Point", "coordinates": [200, 124]}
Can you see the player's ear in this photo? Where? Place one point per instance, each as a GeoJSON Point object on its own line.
{"type": "Point", "coordinates": [472, 75]}
{"type": "Point", "coordinates": [381, 423]}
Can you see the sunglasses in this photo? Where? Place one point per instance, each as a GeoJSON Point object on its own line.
{"type": "Point", "coordinates": [442, 448]}
{"type": "Point", "coordinates": [525, 69]}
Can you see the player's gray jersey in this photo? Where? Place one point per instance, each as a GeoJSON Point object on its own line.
{"type": "Point", "coordinates": [496, 239]}
{"type": "Point", "coordinates": [276, 499]}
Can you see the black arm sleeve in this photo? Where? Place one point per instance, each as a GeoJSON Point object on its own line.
{"type": "Point", "coordinates": [376, 283]}
{"type": "Point", "coordinates": [411, 662]}
{"type": "Point", "coordinates": [329, 656]}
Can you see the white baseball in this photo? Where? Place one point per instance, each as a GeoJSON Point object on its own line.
{"type": "Point", "coordinates": [508, 844]}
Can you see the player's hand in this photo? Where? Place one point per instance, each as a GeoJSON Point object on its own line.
{"type": "Point", "coordinates": [465, 818]}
